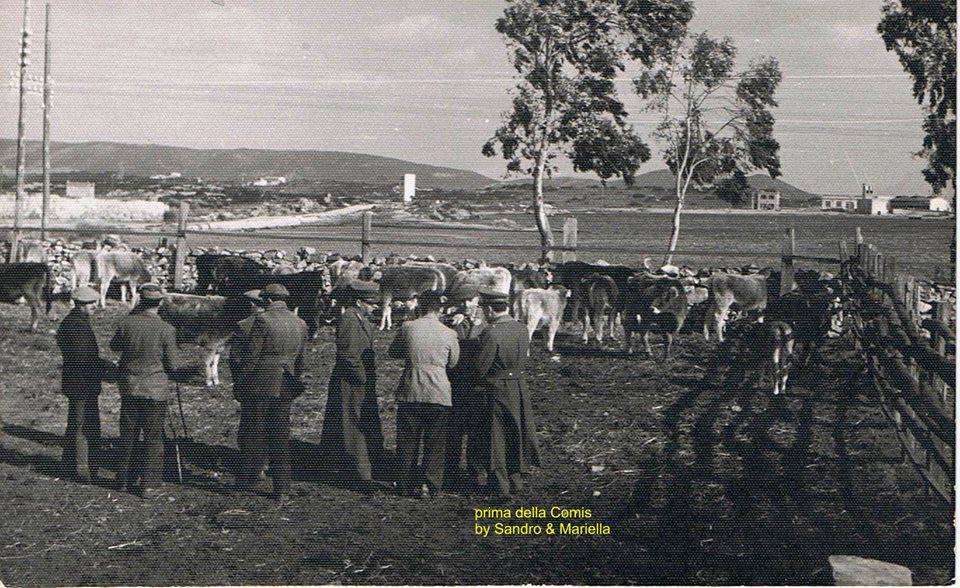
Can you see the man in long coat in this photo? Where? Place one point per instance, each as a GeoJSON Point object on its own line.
{"type": "Point", "coordinates": [271, 365]}
{"type": "Point", "coordinates": [467, 323]}
{"type": "Point", "coordinates": [352, 437]}
{"type": "Point", "coordinates": [80, 383]}
{"type": "Point", "coordinates": [509, 428]}
{"type": "Point", "coordinates": [148, 356]}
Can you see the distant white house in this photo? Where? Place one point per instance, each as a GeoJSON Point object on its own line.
{"type": "Point", "coordinates": [765, 199]}
{"type": "Point", "coordinates": [169, 176]}
{"type": "Point", "coordinates": [81, 189]}
{"type": "Point", "coordinates": [837, 202]}
{"type": "Point", "coordinates": [269, 181]}
{"type": "Point", "coordinates": [874, 205]}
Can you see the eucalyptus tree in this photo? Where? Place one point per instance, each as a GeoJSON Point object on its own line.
{"type": "Point", "coordinates": [567, 55]}
{"type": "Point", "coordinates": [716, 120]}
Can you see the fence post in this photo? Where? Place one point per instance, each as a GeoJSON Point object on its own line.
{"type": "Point", "coordinates": [788, 250]}
{"type": "Point", "coordinates": [180, 253]}
{"type": "Point", "coordinates": [569, 239]}
{"type": "Point", "coordinates": [366, 229]}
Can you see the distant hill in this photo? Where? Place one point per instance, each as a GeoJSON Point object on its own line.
{"type": "Point", "coordinates": [238, 164]}
{"type": "Point", "coordinates": [661, 179]}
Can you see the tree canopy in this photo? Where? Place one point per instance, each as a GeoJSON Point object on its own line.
{"type": "Point", "coordinates": [923, 34]}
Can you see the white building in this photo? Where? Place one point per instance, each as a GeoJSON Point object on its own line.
{"type": "Point", "coordinates": [874, 205]}
{"type": "Point", "coordinates": [269, 181]}
{"type": "Point", "coordinates": [169, 176]}
{"type": "Point", "coordinates": [836, 202]}
{"type": "Point", "coordinates": [765, 199]}
{"type": "Point", "coordinates": [409, 187]}
{"type": "Point", "coordinates": [81, 189]}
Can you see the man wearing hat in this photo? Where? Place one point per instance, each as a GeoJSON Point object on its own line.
{"type": "Point", "coordinates": [80, 383]}
{"type": "Point", "coordinates": [271, 363]}
{"type": "Point", "coordinates": [148, 355]}
{"type": "Point", "coordinates": [509, 429]}
{"type": "Point", "coordinates": [423, 397]}
{"type": "Point", "coordinates": [238, 343]}
{"type": "Point", "coordinates": [352, 436]}
{"type": "Point", "coordinates": [467, 322]}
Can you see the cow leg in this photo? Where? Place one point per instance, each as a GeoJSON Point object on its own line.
{"type": "Point", "coordinates": [586, 326]}
{"type": "Point", "coordinates": [600, 323]}
{"type": "Point", "coordinates": [615, 321]}
{"type": "Point", "coordinates": [34, 315]}
{"type": "Point", "coordinates": [553, 326]}
{"type": "Point", "coordinates": [123, 292]}
{"type": "Point", "coordinates": [533, 321]}
{"type": "Point", "coordinates": [104, 287]}
{"type": "Point", "coordinates": [208, 367]}
{"type": "Point", "coordinates": [646, 343]}
{"type": "Point", "coordinates": [666, 353]}
{"type": "Point", "coordinates": [215, 367]}
{"type": "Point", "coordinates": [776, 370]}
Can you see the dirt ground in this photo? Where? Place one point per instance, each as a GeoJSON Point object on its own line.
{"type": "Point", "coordinates": [698, 484]}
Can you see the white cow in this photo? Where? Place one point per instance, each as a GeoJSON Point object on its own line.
{"type": "Point", "coordinates": [123, 266]}
{"type": "Point", "coordinates": [543, 306]}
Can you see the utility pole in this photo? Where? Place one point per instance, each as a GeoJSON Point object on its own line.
{"type": "Point", "coordinates": [21, 147]}
{"type": "Point", "coordinates": [46, 126]}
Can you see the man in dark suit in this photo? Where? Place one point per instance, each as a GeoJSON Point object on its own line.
{"type": "Point", "coordinates": [271, 365]}
{"type": "Point", "coordinates": [508, 423]}
{"type": "Point", "coordinates": [352, 437]}
{"type": "Point", "coordinates": [80, 383]}
{"type": "Point", "coordinates": [467, 322]}
{"type": "Point", "coordinates": [148, 355]}
{"type": "Point", "coordinates": [240, 340]}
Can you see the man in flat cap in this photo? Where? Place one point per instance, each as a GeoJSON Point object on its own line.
{"type": "Point", "coordinates": [148, 355]}
{"type": "Point", "coordinates": [80, 383]}
{"type": "Point", "coordinates": [509, 441]}
{"type": "Point", "coordinates": [429, 349]}
{"type": "Point", "coordinates": [238, 346]}
{"type": "Point", "coordinates": [352, 436]}
{"type": "Point", "coordinates": [467, 322]}
{"type": "Point", "coordinates": [271, 364]}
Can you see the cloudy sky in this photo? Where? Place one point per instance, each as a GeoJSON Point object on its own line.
{"type": "Point", "coordinates": [426, 80]}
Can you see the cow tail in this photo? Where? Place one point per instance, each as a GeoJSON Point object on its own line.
{"type": "Point", "coordinates": [47, 288]}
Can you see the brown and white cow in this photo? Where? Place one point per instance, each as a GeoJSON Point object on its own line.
{"type": "Point", "coordinates": [123, 266]}
{"type": "Point", "coordinates": [83, 268]}
{"type": "Point", "coordinates": [494, 278]}
{"type": "Point", "coordinates": [543, 306]}
{"type": "Point", "coordinates": [30, 281]}
{"type": "Point", "coordinates": [748, 292]}
{"type": "Point", "coordinates": [655, 304]}
{"type": "Point", "coordinates": [207, 321]}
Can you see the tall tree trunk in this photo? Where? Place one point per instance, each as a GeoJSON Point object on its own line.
{"type": "Point", "coordinates": [675, 233]}
{"type": "Point", "coordinates": [543, 222]}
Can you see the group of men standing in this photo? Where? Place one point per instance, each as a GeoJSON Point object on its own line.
{"type": "Point", "coordinates": [464, 416]}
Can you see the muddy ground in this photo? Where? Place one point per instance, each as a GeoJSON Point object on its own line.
{"type": "Point", "coordinates": [699, 485]}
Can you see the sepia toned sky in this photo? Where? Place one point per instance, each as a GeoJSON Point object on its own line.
{"type": "Point", "coordinates": [426, 80]}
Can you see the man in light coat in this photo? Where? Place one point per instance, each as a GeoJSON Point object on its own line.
{"type": "Point", "coordinates": [424, 396]}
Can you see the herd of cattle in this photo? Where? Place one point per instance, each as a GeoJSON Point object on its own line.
{"type": "Point", "coordinates": [600, 297]}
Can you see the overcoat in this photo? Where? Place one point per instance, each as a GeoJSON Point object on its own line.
{"type": "Point", "coordinates": [82, 367]}
{"type": "Point", "coordinates": [352, 436]}
{"type": "Point", "coordinates": [499, 362]}
{"type": "Point", "coordinates": [271, 356]}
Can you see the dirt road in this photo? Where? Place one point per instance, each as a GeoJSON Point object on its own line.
{"type": "Point", "coordinates": [698, 485]}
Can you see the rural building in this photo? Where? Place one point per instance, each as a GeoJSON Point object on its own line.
{"type": "Point", "coordinates": [921, 203]}
{"type": "Point", "coordinates": [835, 202]}
{"type": "Point", "coordinates": [170, 176]}
{"type": "Point", "coordinates": [765, 200]}
{"type": "Point", "coordinates": [270, 181]}
{"type": "Point", "coordinates": [409, 187]}
{"type": "Point", "coordinates": [874, 205]}
{"type": "Point", "coordinates": [81, 189]}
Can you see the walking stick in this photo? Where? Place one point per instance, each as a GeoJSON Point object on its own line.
{"type": "Point", "coordinates": [176, 440]}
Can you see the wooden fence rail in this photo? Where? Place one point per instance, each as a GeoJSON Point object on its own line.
{"type": "Point", "coordinates": [914, 376]}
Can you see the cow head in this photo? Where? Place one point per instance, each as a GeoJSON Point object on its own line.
{"type": "Point", "coordinates": [671, 298]}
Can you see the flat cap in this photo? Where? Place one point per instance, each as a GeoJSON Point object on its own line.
{"type": "Point", "coordinates": [364, 290]}
{"type": "Point", "coordinates": [463, 293]}
{"type": "Point", "coordinates": [84, 295]}
{"type": "Point", "coordinates": [151, 291]}
{"type": "Point", "coordinates": [253, 295]}
{"type": "Point", "coordinates": [491, 295]}
{"type": "Point", "coordinates": [274, 291]}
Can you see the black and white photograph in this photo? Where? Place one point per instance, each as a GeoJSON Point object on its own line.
{"type": "Point", "coordinates": [478, 292]}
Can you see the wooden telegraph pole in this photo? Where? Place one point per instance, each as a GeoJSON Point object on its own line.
{"type": "Point", "coordinates": [21, 147]}
{"type": "Point", "coordinates": [46, 126]}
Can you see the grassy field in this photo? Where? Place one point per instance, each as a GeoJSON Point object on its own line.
{"type": "Point", "coordinates": [699, 485]}
{"type": "Point", "coordinates": [921, 247]}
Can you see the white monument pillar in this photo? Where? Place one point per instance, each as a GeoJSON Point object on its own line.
{"type": "Point", "coordinates": [409, 187]}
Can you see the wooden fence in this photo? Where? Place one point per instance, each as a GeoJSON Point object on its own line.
{"type": "Point", "coordinates": [367, 239]}
{"type": "Point", "coordinates": [915, 377]}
